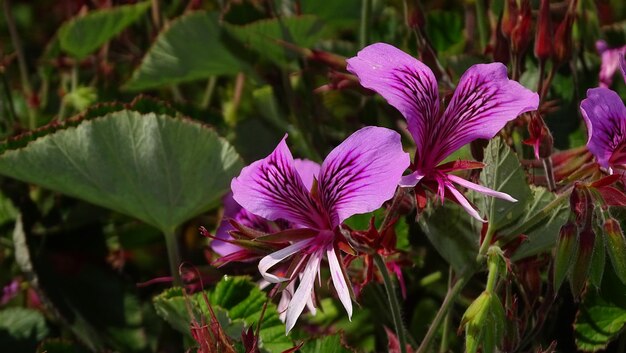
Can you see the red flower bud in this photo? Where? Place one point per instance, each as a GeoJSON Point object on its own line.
{"type": "Point", "coordinates": [563, 36]}
{"type": "Point", "coordinates": [616, 247]}
{"type": "Point", "coordinates": [509, 18]}
{"type": "Point", "coordinates": [582, 264]}
{"type": "Point", "coordinates": [520, 36]}
{"type": "Point", "coordinates": [543, 36]}
{"type": "Point", "coordinates": [566, 250]}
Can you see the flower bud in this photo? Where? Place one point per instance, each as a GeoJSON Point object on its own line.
{"type": "Point", "coordinates": [616, 247]}
{"type": "Point", "coordinates": [582, 264]}
{"type": "Point", "coordinates": [563, 36]}
{"type": "Point", "coordinates": [509, 18]}
{"type": "Point", "coordinates": [484, 322]}
{"type": "Point", "coordinates": [566, 251]}
{"type": "Point", "coordinates": [540, 137]}
{"type": "Point", "coordinates": [520, 36]}
{"type": "Point", "coordinates": [543, 35]}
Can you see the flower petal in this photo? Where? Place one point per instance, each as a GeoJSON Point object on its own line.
{"type": "Point", "coordinates": [272, 188]}
{"type": "Point", "coordinates": [481, 189]}
{"type": "Point", "coordinates": [339, 281]}
{"type": "Point", "coordinates": [308, 171]}
{"type": "Point", "coordinates": [622, 65]}
{"type": "Point", "coordinates": [483, 102]}
{"type": "Point", "coordinates": [304, 292]}
{"type": "Point", "coordinates": [406, 83]}
{"type": "Point", "coordinates": [409, 181]}
{"type": "Point", "coordinates": [274, 258]}
{"type": "Point", "coordinates": [605, 116]}
{"type": "Point", "coordinates": [361, 173]}
{"type": "Point", "coordinates": [231, 208]}
{"type": "Point", "coordinates": [463, 202]}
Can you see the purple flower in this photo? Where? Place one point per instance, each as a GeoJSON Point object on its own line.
{"type": "Point", "coordinates": [484, 101]}
{"type": "Point", "coordinates": [307, 170]}
{"type": "Point", "coordinates": [611, 60]}
{"type": "Point", "coordinates": [605, 116]}
{"type": "Point", "coordinates": [356, 177]}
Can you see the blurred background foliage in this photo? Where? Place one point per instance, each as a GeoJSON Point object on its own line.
{"type": "Point", "coordinates": [82, 257]}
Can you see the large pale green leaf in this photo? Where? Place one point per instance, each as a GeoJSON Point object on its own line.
{"type": "Point", "coordinates": [503, 173]}
{"type": "Point", "coordinates": [82, 35]}
{"type": "Point", "coordinates": [190, 48]}
{"type": "Point", "coordinates": [541, 237]}
{"type": "Point", "coordinates": [156, 168]}
{"type": "Point", "coordinates": [454, 235]}
{"type": "Point", "coordinates": [242, 303]}
{"type": "Point", "coordinates": [263, 36]}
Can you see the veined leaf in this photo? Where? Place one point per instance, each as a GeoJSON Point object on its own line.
{"type": "Point", "coordinates": [82, 35]}
{"type": "Point", "coordinates": [242, 303]}
{"type": "Point", "coordinates": [158, 169]}
{"type": "Point", "coordinates": [503, 173]}
{"type": "Point", "coordinates": [190, 48]}
{"type": "Point", "coordinates": [21, 329]}
{"type": "Point", "coordinates": [326, 344]}
{"type": "Point", "coordinates": [543, 236]}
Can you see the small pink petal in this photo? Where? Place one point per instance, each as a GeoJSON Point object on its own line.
{"type": "Point", "coordinates": [274, 258]}
{"type": "Point", "coordinates": [464, 203]}
{"type": "Point", "coordinates": [481, 189]}
{"type": "Point", "coordinates": [409, 181]}
{"type": "Point", "coordinates": [339, 281]}
{"type": "Point", "coordinates": [304, 291]}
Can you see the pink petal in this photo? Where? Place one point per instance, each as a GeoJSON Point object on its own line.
{"type": "Point", "coordinates": [231, 208]}
{"type": "Point", "coordinates": [361, 173]}
{"type": "Point", "coordinates": [481, 189]}
{"type": "Point", "coordinates": [339, 281]}
{"type": "Point", "coordinates": [483, 102]}
{"type": "Point", "coordinates": [406, 83]}
{"type": "Point", "coordinates": [622, 65]}
{"type": "Point", "coordinates": [308, 171]}
{"type": "Point", "coordinates": [464, 203]}
{"type": "Point", "coordinates": [274, 258]}
{"type": "Point", "coordinates": [304, 292]}
{"type": "Point", "coordinates": [273, 189]}
{"type": "Point", "coordinates": [409, 181]}
{"type": "Point", "coordinates": [605, 116]}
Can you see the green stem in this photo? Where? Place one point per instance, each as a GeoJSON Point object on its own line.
{"type": "Point", "coordinates": [394, 304]}
{"type": "Point", "coordinates": [443, 310]}
{"type": "Point", "coordinates": [393, 208]}
{"type": "Point", "coordinates": [173, 255]}
{"type": "Point", "coordinates": [366, 9]}
{"type": "Point", "coordinates": [208, 92]}
{"type": "Point", "coordinates": [486, 242]}
{"type": "Point", "coordinates": [482, 24]}
{"type": "Point", "coordinates": [443, 348]}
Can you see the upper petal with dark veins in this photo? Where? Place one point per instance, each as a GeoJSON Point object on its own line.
{"type": "Point", "coordinates": [406, 83]}
{"type": "Point", "coordinates": [605, 116]}
{"type": "Point", "coordinates": [361, 173]}
{"type": "Point", "coordinates": [273, 189]}
{"type": "Point", "coordinates": [483, 102]}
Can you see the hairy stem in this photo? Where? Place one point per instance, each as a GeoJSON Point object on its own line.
{"type": "Point", "coordinates": [394, 304]}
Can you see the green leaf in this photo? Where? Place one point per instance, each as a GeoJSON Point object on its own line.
{"type": "Point", "coordinates": [241, 303]}
{"type": "Point", "coordinates": [190, 48]}
{"type": "Point", "coordinates": [21, 329]}
{"type": "Point", "coordinates": [543, 236]}
{"type": "Point", "coordinates": [445, 31]}
{"type": "Point", "coordinates": [263, 36]}
{"type": "Point", "coordinates": [503, 173]}
{"type": "Point", "coordinates": [326, 344]}
{"type": "Point", "coordinates": [453, 234]}
{"type": "Point", "coordinates": [82, 35]}
{"type": "Point", "coordinates": [158, 169]}
{"type": "Point", "coordinates": [602, 315]}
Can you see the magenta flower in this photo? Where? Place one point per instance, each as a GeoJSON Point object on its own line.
{"type": "Point", "coordinates": [605, 116]}
{"type": "Point", "coordinates": [484, 101]}
{"type": "Point", "coordinates": [356, 177]}
{"type": "Point", "coordinates": [611, 58]}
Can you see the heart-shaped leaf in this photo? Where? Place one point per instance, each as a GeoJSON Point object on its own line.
{"type": "Point", "coordinates": [156, 168]}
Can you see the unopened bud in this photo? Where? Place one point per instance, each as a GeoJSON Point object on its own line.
{"type": "Point", "coordinates": [566, 251]}
{"type": "Point", "coordinates": [415, 15]}
{"type": "Point", "coordinates": [563, 36]}
{"type": "Point", "coordinates": [543, 36]}
{"type": "Point", "coordinates": [509, 18]}
{"type": "Point", "coordinates": [582, 264]}
{"type": "Point", "coordinates": [616, 247]}
{"type": "Point", "coordinates": [582, 206]}
{"type": "Point", "coordinates": [484, 322]}
{"type": "Point", "coordinates": [520, 36]}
